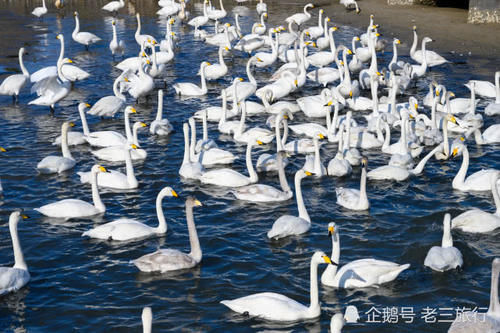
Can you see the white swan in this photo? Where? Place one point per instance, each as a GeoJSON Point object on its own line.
{"type": "Point", "coordinates": [433, 59]}
{"type": "Point", "coordinates": [316, 31]}
{"type": "Point", "coordinates": [143, 38]}
{"type": "Point", "coordinates": [116, 46]}
{"type": "Point", "coordinates": [266, 193]}
{"type": "Point", "coordinates": [40, 11]}
{"type": "Point", "coordinates": [115, 179]}
{"type": "Point", "coordinates": [288, 225]}
{"type": "Point", "coordinates": [339, 166]}
{"type": "Point", "coordinates": [125, 229]}
{"type": "Point", "coordinates": [109, 138]}
{"type": "Point", "coordinates": [486, 88]}
{"type": "Point", "coordinates": [142, 83]}
{"type": "Point", "coordinates": [355, 199]}
{"type": "Point", "coordinates": [167, 260]}
{"type": "Point", "coordinates": [277, 307]}
{"type": "Point", "coordinates": [160, 126]}
{"type": "Point", "coordinates": [217, 14]}
{"type": "Point", "coordinates": [244, 135]}
{"type": "Point", "coordinates": [208, 155]}
{"type": "Point", "coordinates": [244, 89]}
{"type": "Point", "coordinates": [147, 319]}
{"type": "Point", "coordinates": [216, 71]}
{"type": "Point", "coordinates": [13, 84]}
{"type": "Point", "coordinates": [313, 162]}
{"type": "Point", "coordinates": [188, 169]}
{"type": "Point", "coordinates": [191, 89]}
{"type": "Point", "coordinates": [201, 20]}
{"type": "Point", "coordinates": [231, 178]}
{"type": "Point", "coordinates": [74, 208]}
{"type": "Point", "coordinates": [108, 106]}
{"type": "Point", "coordinates": [52, 89]}
{"type": "Point", "coordinates": [114, 6]}
{"type": "Point", "coordinates": [58, 164]}
{"type": "Point", "coordinates": [359, 273]}
{"type": "Point", "coordinates": [268, 162]}
{"type": "Point", "coordinates": [490, 135]}
{"type": "Point", "coordinates": [82, 37]}
{"type": "Point", "coordinates": [478, 181]}
{"type": "Point", "coordinates": [493, 108]}
{"type": "Point", "coordinates": [476, 322]}
{"type": "Point", "coordinates": [117, 154]}
{"type": "Point", "coordinates": [280, 88]}
{"type": "Point", "coordinates": [16, 277]}
{"type": "Point", "coordinates": [301, 18]}
{"type": "Point", "coordinates": [324, 58]}
{"type": "Point", "coordinates": [476, 220]}
{"type": "Point", "coordinates": [444, 257]}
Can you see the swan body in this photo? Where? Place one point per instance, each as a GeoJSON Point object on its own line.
{"type": "Point", "coordinates": [128, 229]}
{"type": "Point", "coordinates": [160, 126]}
{"type": "Point", "coordinates": [288, 225]}
{"type": "Point", "coordinates": [108, 106]}
{"type": "Point", "coordinates": [301, 18]}
{"type": "Point", "coordinates": [216, 71]}
{"type": "Point", "coordinates": [40, 11]}
{"type": "Point", "coordinates": [58, 164]}
{"type": "Point", "coordinates": [191, 89]}
{"type": "Point", "coordinates": [478, 221]}
{"type": "Point", "coordinates": [142, 83]}
{"type": "Point", "coordinates": [339, 166]}
{"type": "Point", "coordinates": [354, 199]}
{"type": "Point", "coordinates": [444, 257]}
{"type": "Point", "coordinates": [359, 273]}
{"type": "Point", "coordinates": [74, 208]}
{"type": "Point", "coordinates": [16, 277]}
{"type": "Point", "coordinates": [114, 6]}
{"type": "Point", "coordinates": [13, 84]}
{"type": "Point", "coordinates": [81, 37]}
{"type": "Point", "coordinates": [277, 307]}
{"type": "Point", "coordinates": [486, 88]}
{"type": "Point", "coordinates": [208, 153]}
{"type": "Point", "coordinates": [167, 260]}
{"type": "Point", "coordinates": [433, 59]}
{"type": "Point", "coordinates": [109, 138]}
{"type": "Point", "coordinates": [52, 89]}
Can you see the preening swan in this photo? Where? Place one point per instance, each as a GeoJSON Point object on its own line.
{"type": "Point", "coordinates": [166, 260]}
{"type": "Point", "coordinates": [359, 273]}
{"type": "Point", "coordinates": [277, 307]}
{"type": "Point", "coordinates": [13, 84]}
{"type": "Point", "coordinates": [40, 11]}
{"type": "Point", "coordinates": [125, 229]}
{"type": "Point", "coordinates": [355, 199]}
{"type": "Point", "coordinates": [288, 225]}
{"type": "Point", "coordinates": [58, 164]}
{"type": "Point", "coordinates": [84, 38]}
{"type": "Point", "coordinates": [160, 126]}
{"type": "Point", "coordinates": [16, 277]}
{"type": "Point", "coordinates": [488, 322]}
{"type": "Point", "coordinates": [476, 220]}
{"type": "Point", "coordinates": [74, 208]}
{"type": "Point", "coordinates": [444, 257]}
{"type": "Point", "coordinates": [115, 179]}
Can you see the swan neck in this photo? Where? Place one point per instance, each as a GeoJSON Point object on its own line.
{"type": "Point", "coordinates": [162, 223]}
{"type": "Point", "coordinates": [64, 142]}
{"type": "Point", "coordinates": [85, 125]}
{"type": "Point", "coordinates": [300, 200]}
{"type": "Point", "coordinates": [251, 171]}
{"type": "Point", "coordinates": [420, 166]}
{"type": "Point", "coordinates": [249, 73]}
{"type": "Point", "coordinates": [129, 167]}
{"type": "Point", "coordinates": [192, 155]}
{"type": "Point", "coordinates": [138, 31]}
{"type": "Point", "coordinates": [61, 52]}
{"type": "Point", "coordinates": [496, 196]}
{"type": "Point", "coordinates": [497, 87]}
{"type": "Point", "coordinates": [447, 240]}
{"type": "Point", "coordinates": [494, 308]}
{"type": "Point", "coordinates": [195, 253]}
{"type": "Point", "coordinates": [314, 294]}
{"type": "Point", "coordinates": [281, 174]}
{"type": "Point", "coordinates": [362, 186]}
{"type": "Point", "coordinates": [135, 141]}
{"type": "Point", "coordinates": [96, 198]}
{"type": "Point", "coordinates": [460, 176]}
{"type": "Point", "coordinates": [77, 26]}
{"type": "Point", "coordinates": [445, 138]}
{"type": "Point", "coordinates": [203, 81]}
{"type": "Point", "coordinates": [16, 245]}
{"type": "Point", "coordinates": [394, 59]}
{"type": "Point", "coordinates": [21, 64]}
{"type": "Point", "coordinates": [159, 112]}
{"type": "Point", "coordinates": [205, 126]}
{"type": "Point", "coordinates": [128, 132]}
{"type": "Point", "coordinates": [187, 147]}
{"type": "Point", "coordinates": [317, 158]}
{"type": "Point", "coordinates": [277, 132]}
{"type": "Point", "coordinates": [414, 44]}
{"type": "Point", "coordinates": [332, 41]}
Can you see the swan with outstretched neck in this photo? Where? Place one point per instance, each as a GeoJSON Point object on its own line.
{"type": "Point", "coordinates": [125, 229]}
{"type": "Point", "coordinates": [167, 260]}
{"type": "Point", "coordinates": [58, 164]}
{"type": "Point", "coordinates": [352, 198]}
{"type": "Point", "coordinates": [16, 277]}
{"type": "Point", "coordinates": [278, 307]}
{"type": "Point", "coordinates": [81, 37]}
{"type": "Point", "coordinates": [13, 84]}
{"type": "Point", "coordinates": [444, 257]}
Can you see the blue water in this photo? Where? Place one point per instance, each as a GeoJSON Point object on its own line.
{"type": "Point", "coordinates": [85, 285]}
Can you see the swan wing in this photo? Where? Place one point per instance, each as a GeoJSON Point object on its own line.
{"type": "Point", "coordinates": [476, 220]}
{"type": "Point", "coordinates": [120, 230]}
{"type": "Point", "coordinates": [50, 71]}
{"type": "Point", "coordinates": [164, 260]}
{"type": "Point", "coordinates": [68, 208]}
{"type": "Point", "coordinates": [480, 180]}
{"type": "Point", "coordinates": [53, 164]}
{"type": "Point", "coordinates": [106, 139]}
{"type": "Point", "coordinates": [288, 225]}
{"type": "Point", "coordinates": [12, 279]}
{"type": "Point", "coordinates": [106, 106]}
{"type": "Point", "coordinates": [74, 73]}
{"type": "Point", "coordinates": [368, 272]}
{"type": "Point", "coordinates": [259, 193]}
{"type": "Point", "coordinates": [224, 177]}
{"type": "Point", "coordinates": [443, 258]}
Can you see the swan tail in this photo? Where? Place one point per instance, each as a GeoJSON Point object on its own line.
{"type": "Point", "coordinates": [392, 275]}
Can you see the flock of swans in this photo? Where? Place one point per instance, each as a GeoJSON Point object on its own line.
{"type": "Point", "coordinates": [339, 114]}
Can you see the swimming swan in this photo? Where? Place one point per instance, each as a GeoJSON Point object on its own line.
{"type": "Point", "coordinates": [125, 229]}
{"type": "Point", "coordinates": [191, 89]}
{"type": "Point", "coordinates": [277, 307]}
{"type": "Point", "coordinates": [58, 164]}
{"type": "Point", "coordinates": [359, 273]}
{"type": "Point", "coordinates": [13, 84]}
{"type": "Point", "coordinates": [16, 277]}
{"type": "Point", "coordinates": [444, 257]}
{"type": "Point", "coordinates": [355, 199]}
{"type": "Point", "coordinates": [166, 260]}
{"type": "Point", "coordinates": [84, 38]}
{"type": "Point", "coordinates": [74, 208]}
{"type": "Point", "coordinates": [160, 126]}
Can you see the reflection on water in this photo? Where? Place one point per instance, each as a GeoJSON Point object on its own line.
{"type": "Point", "coordinates": [91, 285]}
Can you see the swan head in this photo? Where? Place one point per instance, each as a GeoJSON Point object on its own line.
{"type": "Point", "coordinates": [320, 257]}
{"type": "Point", "coordinates": [75, 14]}
{"type": "Point", "coordinates": [98, 168]}
{"type": "Point", "coordinates": [113, 22]}
{"type": "Point", "coordinates": [16, 216]}
{"type": "Point", "coordinates": [331, 229]}
{"type": "Point", "coordinates": [414, 28]}
{"type": "Point", "coordinates": [82, 106]}
{"type": "Point", "coordinates": [427, 40]}
{"type": "Point", "coordinates": [139, 124]}
{"type": "Point", "coordinates": [67, 61]}
{"type": "Point", "coordinates": [168, 192]}
{"type": "Point", "coordinates": [193, 202]}
{"type": "Point", "coordinates": [334, 28]}
{"type": "Point", "coordinates": [397, 41]}
{"type": "Point", "coordinates": [364, 162]}
{"type": "Point", "coordinates": [130, 109]}
{"type": "Point", "coordinates": [59, 36]}
{"type": "Point", "coordinates": [320, 136]}
{"type": "Point", "coordinates": [457, 146]}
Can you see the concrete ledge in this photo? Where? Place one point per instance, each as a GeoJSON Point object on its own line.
{"type": "Point", "coordinates": [412, 2]}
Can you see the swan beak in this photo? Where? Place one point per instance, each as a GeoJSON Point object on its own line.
{"type": "Point", "coordinates": [307, 173]}
{"type": "Point", "coordinates": [398, 41]}
{"type": "Point", "coordinates": [175, 194]}
{"type": "Point", "coordinates": [71, 124]}
{"type": "Point", "coordinates": [143, 54]}
{"type": "Point", "coordinates": [462, 139]}
{"type": "Point", "coordinates": [75, 14]}
{"type": "Point", "coordinates": [321, 136]}
{"type": "Point", "coordinates": [453, 119]}
{"type": "Point", "coordinates": [327, 260]}
{"type": "Point", "coordinates": [307, 33]}
{"type": "Point", "coordinates": [197, 203]}
{"type": "Point", "coordinates": [414, 27]}
{"type": "Point", "coordinates": [70, 61]}
{"type": "Point", "coordinates": [133, 146]}
{"type": "Point", "coordinates": [259, 60]}
{"type": "Point", "coordinates": [24, 216]}
{"type": "Point", "coordinates": [296, 83]}
{"type": "Point", "coordinates": [2, 149]}
{"type": "Point", "coordinates": [437, 92]}
{"type": "Point", "coordinates": [133, 110]}
{"type": "Point", "coordinates": [350, 93]}
{"type": "Point", "coordinates": [364, 162]}
{"type": "Point", "coordinates": [411, 117]}
{"type": "Point", "coordinates": [342, 62]}
{"type": "Point", "coordinates": [312, 6]}
{"type": "Point", "coordinates": [226, 48]}
{"type": "Point", "coordinates": [358, 11]}
{"type": "Point", "coordinates": [260, 142]}
{"type": "Point", "coordinates": [126, 79]}
{"type": "Point", "coordinates": [314, 44]}
{"type": "Point", "coordinates": [240, 79]}
{"type": "Point", "coordinates": [349, 51]}
{"type": "Point", "coordinates": [416, 106]}
{"type": "Point", "coordinates": [331, 231]}
{"type": "Point", "coordinates": [148, 62]}
{"type": "Point", "coordinates": [335, 28]}
{"type": "Point", "coordinates": [452, 94]}
{"type": "Point", "coordinates": [57, 37]}
{"type": "Point", "coordinates": [172, 33]}
{"type": "Point", "coordinates": [328, 19]}
{"type": "Point", "coordinates": [455, 152]}
{"type": "Point", "coordinates": [102, 169]}
{"type": "Point", "coordinates": [88, 105]}
{"type": "Point", "coordinates": [328, 104]}
{"type": "Point", "coordinates": [378, 73]}
{"type": "Point", "coordinates": [378, 34]}
{"type": "Point", "coordinates": [208, 64]}
{"type": "Point", "coordinates": [113, 22]}
{"type": "Point", "coordinates": [144, 125]}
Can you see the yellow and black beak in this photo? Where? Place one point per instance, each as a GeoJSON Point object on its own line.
{"type": "Point", "coordinates": [331, 230]}
{"type": "Point", "coordinates": [175, 194]}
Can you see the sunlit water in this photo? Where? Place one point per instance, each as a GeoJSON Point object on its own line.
{"type": "Point", "coordinates": [84, 285]}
